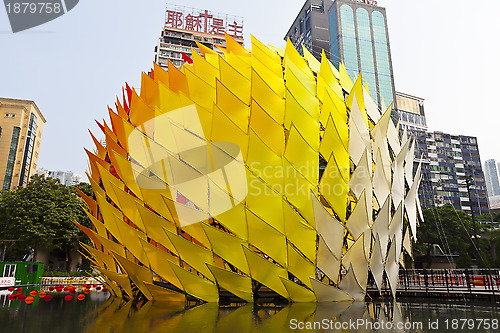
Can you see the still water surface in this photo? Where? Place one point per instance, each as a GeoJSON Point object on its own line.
{"type": "Point", "coordinates": [98, 314]}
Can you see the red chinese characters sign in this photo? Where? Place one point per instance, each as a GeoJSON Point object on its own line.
{"type": "Point", "coordinates": [205, 22]}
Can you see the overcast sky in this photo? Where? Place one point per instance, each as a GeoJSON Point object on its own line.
{"type": "Point", "coordinates": [445, 51]}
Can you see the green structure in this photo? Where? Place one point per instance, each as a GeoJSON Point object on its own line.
{"type": "Point", "coordinates": [24, 272]}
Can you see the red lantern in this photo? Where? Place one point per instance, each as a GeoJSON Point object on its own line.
{"type": "Point", "coordinates": [68, 298]}
{"type": "Point", "coordinates": [42, 294]}
{"type": "Point", "coordinates": [94, 285]}
{"type": "Point", "coordinates": [104, 289]}
{"type": "Point", "coordinates": [86, 290]}
{"type": "Point", "coordinates": [81, 297]}
{"type": "Point", "coordinates": [72, 291]}
{"type": "Point", "coordinates": [51, 288]}
{"type": "Point", "coordinates": [98, 288]}
{"type": "Point", "coordinates": [12, 297]}
{"type": "Point", "coordinates": [29, 300]}
{"type": "Point", "coordinates": [11, 289]}
{"type": "Point", "coordinates": [47, 298]}
{"type": "Point", "coordinates": [19, 289]}
{"type": "Point", "coordinates": [33, 293]}
{"type": "Point", "coordinates": [21, 297]}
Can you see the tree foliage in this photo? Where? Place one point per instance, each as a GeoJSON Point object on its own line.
{"type": "Point", "coordinates": [40, 216]}
{"type": "Point", "coordinates": [444, 225]}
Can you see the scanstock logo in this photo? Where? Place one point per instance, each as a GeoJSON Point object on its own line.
{"type": "Point", "coordinates": [28, 14]}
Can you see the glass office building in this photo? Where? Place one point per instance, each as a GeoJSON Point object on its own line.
{"type": "Point", "coordinates": [359, 38]}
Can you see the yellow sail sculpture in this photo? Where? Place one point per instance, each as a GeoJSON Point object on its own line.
{"type": "Point", "coordinates": [250, 173]}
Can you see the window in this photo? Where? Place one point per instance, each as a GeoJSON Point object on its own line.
{"type": "Point", "coordinates": [11, 159]}
{"type": "Point", "coordinates": [9, 271]}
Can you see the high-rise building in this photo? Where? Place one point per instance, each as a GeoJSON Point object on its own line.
{"type": "Point", "coordinates": [21, 127]}
{"type": "Point", "coordinates": [311, 28]}
{"type": "Point", "coordinates": [491, 177]}
{"type": "Point", "coordinates": [447, 162]}
{"type": "Point", "coordinates": [353, 33]}
{"type": "Point", "coordinates": [359, 38]}
{"type": "Point", "coordinates": [185, 26]}
{"type": "Point", "coordinates": [411, 113]}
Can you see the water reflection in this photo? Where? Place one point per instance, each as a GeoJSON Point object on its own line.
{"type": "Point", "coordinates": [115, 315]}
{"type": "Point", "coordinates": [309, 317]}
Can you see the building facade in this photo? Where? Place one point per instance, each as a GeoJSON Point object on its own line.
{"type": "Point", "coordinates": [21, 128]}
{"type": "Point", "coordinates": [451, 171]}
{"type": "Point", "coordinates": [311, 28]}
{"type": "Point", "coordinates": [185, 26]}
{"type": "Point", "coordinates": [411, 114]}
{"type": "Point", "coordinates": [359, 38]}
{"type": "Point", "coordinates": [491, 177]}
{"type": "Point", "coordinates": [67, 178]}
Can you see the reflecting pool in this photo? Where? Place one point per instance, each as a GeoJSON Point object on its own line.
{"type": "Point", "coordinates": [97, 313]}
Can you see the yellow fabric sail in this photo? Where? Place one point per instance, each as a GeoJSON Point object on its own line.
{"type": "Point", "coordinates": [297, 293]}
{"type": "Point", "coordinates": [334, 188]}
{"type": "Point", "coordinates": [296, 188]}
{"type": "Point", "coordinates": [157, 262]}
{"type": "Point", "coordinates": [306, 125]}
{"type": "Point", "coordinates": [333, 143]}
{"type": "Point", "coordinates": [105, 258]}
{"type": "Point", "coordinates": [305, 96]}
{"type": "Point", "coordinates": [266, 238]}
{"type": "Point", "coordinates": [266, 56]}
{"type": "Point", "coordinates": [240, 85]}
{"type": "Point", "coordinates": [203, 69]}
{"type": "Point", "coordinates": [271, 211]}
{"type": "Point", "coordinates": [121, 280]}
{"type": "Point", "coordinates": [299, 266]}
{"type": "Point", "coordinates": [302, 155]}
{"type": "Point", "coordinates": [266, 128]}
{"type": "Point", "coordinates": [161, 294]}
{"type": "Point", "coordinates": [235, 109]}
{"type": "Point", "coordinates": [129, 204]}
{"type": "Point", "coordinates": [137, 274]}
{"type": "Point", "coordinates": [266, 272]}
{"type": "Point", "coordinates": [195, 255]}
{"type": "Point", "coordinates": [210, 178]}
{"type": "Point", "coordinates": [154, 225]}
{"type": "Point", "coordinates": [235, 220]}
{"type": "Point", "coordinates": [269, 100]}
{"type": "Point", "coordinates": [263, 162]}
{"type": "Point", "coordinates": [228, 247]}
{"type": "Point", "coordinates": [237, 284]}
{"type": "Point", "coordinates": [196, 285]}
{"type": "Point", "coordinates": [272, 79]}
{"type": "Point", "coordinates": [299, 232]}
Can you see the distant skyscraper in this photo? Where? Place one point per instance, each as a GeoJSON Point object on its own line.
{"type": "Point", "coordinates": [185, 26]}
{"type": "Point", "coordinates": [21, 127]}
{"type": "Point", "coordinates": [67, 178]}
{"type": "Point", "coordinates": [491, 177]}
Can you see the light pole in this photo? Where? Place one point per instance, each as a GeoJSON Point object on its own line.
{"type": "Point", "coordinates": [468, 180]}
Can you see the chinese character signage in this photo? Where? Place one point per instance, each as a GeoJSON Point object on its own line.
{"type": "Point", "coordinates": [203, 21]}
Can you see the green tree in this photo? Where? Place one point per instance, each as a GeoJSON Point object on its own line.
{"type": "Point", "coordinates": [40, 216]}
{"type": "Point", "coordinates": [444, 225]}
